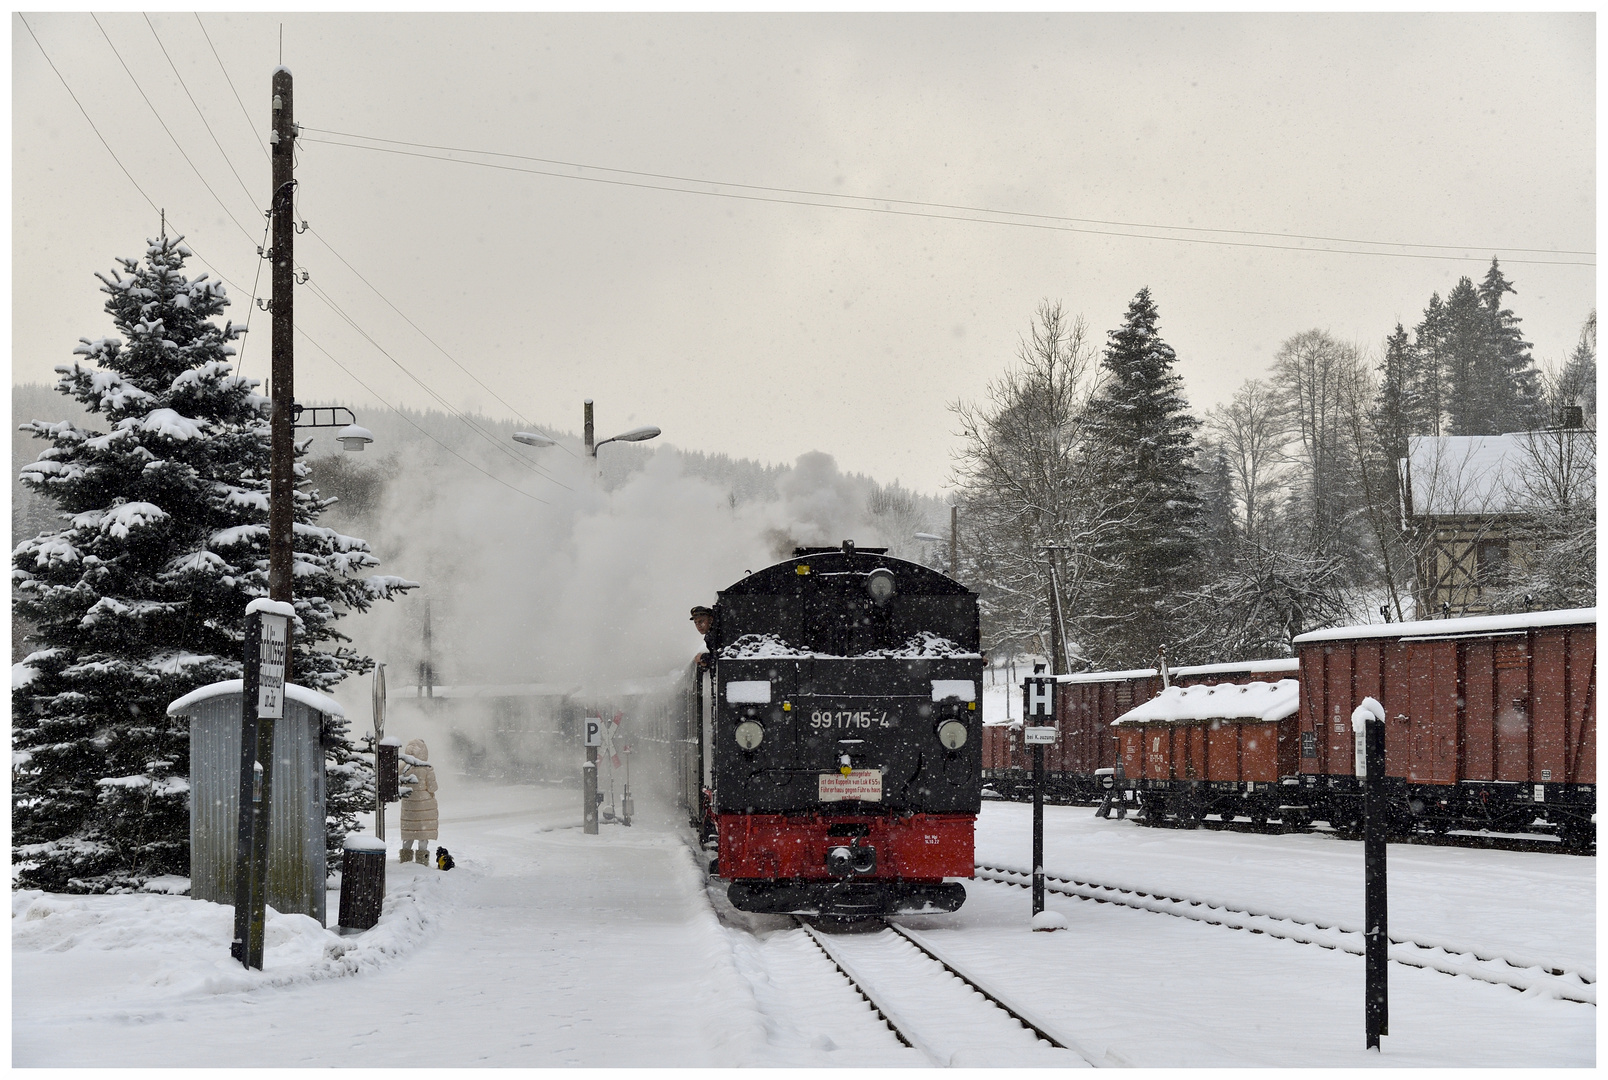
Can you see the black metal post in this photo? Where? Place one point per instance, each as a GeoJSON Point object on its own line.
{"type": "Point", "coordinates": [1375, 916]}
{"type": "Point", "coordinates": [589, 792]}
{"type": "Point", "coordinates": [248, 807]}
{"type": "Point", "coordinates": [1038, 828]}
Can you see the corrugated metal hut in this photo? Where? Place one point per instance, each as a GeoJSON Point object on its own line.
{"type": "Point", "coordinates": [296, 829]}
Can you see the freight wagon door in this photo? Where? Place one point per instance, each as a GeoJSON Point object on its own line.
{"type": "Point", "coordinates": [1583, 704]}
{"type": "Point", "coordinates": [1434, 707]}
{"type": "Point", "coordinates": [1510, 708]}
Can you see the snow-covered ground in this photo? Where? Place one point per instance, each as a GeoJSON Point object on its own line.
{"type": "Point", "coordinates": [546, 947]}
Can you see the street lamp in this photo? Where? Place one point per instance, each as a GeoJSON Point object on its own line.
{"type": "Point", "coordinates": [641, 434]}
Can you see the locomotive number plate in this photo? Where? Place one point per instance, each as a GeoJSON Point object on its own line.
{"type": "Point", "coordinates": [861, 785]}
{"type": "Point", "coordinates": [864, 718]}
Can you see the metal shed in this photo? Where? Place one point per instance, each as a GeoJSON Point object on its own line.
{"type": "Point", "coordinates": [296, 829]}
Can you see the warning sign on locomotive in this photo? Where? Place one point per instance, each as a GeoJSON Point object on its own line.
{"type": "Point", "coordinates": [860, 785]}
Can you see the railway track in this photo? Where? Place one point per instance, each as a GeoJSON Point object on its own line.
{"type": "Point", "coordinates": [932, 1005]}
{"type": "Point", "coordinates": [1486, 966]}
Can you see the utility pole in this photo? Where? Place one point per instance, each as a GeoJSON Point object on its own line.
{"type": "Point", "coordinates": [1057, 623]}
{"type": "Point", "coordinates": [270, 623]}
{"type": "Point", "coordinates": [282, 459]}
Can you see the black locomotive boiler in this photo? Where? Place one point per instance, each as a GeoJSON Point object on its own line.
{"type": "Point", "coordinates": [832, 736]}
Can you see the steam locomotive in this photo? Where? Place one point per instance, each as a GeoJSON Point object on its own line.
{"type": "Point", "coordinates": [831, 737]}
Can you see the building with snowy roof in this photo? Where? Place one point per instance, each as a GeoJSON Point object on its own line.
{"type": "Point", "coordinates": [1466, 498]}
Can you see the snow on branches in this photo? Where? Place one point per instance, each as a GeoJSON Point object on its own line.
{"type": "Point", "coordinates": [140, 596]}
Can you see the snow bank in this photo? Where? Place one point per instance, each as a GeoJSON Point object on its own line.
{"type": "Point", "coordinates": [180, 946]}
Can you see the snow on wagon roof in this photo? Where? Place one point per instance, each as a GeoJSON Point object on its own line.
{"type": "Point", "coordinates": [310, 698]}
{"type": "Point", "coordinates": [1225, 701]}
{"type": "Point", "coordinates": [1474, 624]}
{"type": "Point", "coordinates": [1249, 667]}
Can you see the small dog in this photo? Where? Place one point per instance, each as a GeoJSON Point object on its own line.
{"type": "Point", "coordinates": [444, 859]}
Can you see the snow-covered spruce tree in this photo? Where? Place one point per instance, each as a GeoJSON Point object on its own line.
{"type": "Point", "coordinates": [141, 597]}
{"type": "Point", "coordinates": [1141, 417]}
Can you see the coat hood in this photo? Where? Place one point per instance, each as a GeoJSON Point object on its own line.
{"type": "Point", "coordinates": [416, 748]}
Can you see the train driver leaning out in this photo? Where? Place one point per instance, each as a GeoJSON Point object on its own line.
{"type": "Point", "coordinates": [703, 621]}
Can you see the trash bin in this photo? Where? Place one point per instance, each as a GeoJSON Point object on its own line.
{"type": "Point", "coordinates": [362, 882]}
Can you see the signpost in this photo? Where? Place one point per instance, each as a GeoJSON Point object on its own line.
{"type": "Point", "coordinates": [594, 738]}
{"type": "Point", "coordinates": [1368, 728]}
{"type": "Point", "coordinates": [262, 701]}
{"type": "Point", "coordinates": [1038, 719]}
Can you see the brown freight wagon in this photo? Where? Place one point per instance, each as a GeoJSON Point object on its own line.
{"type": "Point", "coordinates": [1224, 748]}
{"type": "Point", "coordinates": [1082, 766]}
{"type": "Point", "coordinates": [1490, 721]}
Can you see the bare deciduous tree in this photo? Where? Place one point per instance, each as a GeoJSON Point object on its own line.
{"type": "Point", "coordinates": [1024, 476]}
{"type": "Point", "coordinates": [1249, 429]}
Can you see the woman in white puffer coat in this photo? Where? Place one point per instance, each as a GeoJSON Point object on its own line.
{"type": "Point", "coordinates": [421, 821]}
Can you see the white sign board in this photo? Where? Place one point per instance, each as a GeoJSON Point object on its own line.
{"type": "Point", "coordinates": [1038, 735]}
{"type": "Point", "coordinates": [271, 666]}
{"type": "Point", "coordinates": [594, 730]}
{"type": "Point", "coordinates": [1038, 698]}
{"type": "Point", "coordinates": [859, 785]}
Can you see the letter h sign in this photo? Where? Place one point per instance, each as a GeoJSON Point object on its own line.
{"type": "Point", "coordinates": [1038, 700]}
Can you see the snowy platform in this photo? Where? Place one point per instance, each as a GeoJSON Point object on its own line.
{"type": "Point", "coordinates": [546, 947]}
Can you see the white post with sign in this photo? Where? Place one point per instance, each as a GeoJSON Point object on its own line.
{"type": "Point", "coordinates": [1038, 731]}
{"type": "Point", "coordinates": [592, 732]}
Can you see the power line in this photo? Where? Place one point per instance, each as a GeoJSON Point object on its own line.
{"type": "Point", "coordinates": [149, 201]}
{"type": "Point", "coordinates": [471, 425]}
{"type": "Point", "coordinates": [251, 302]}
{"type": "Point", "coordinates": [421, 430]}
{"type": "Point", "coordinates": [243, 110]}
{"type": "Point", "coordinates": [198, 112]}
{"type": "Point", "coordinates": [1051, 221]}
{"type": "Point", "coordinates": [319, 236]}
{"type": "Point", "coordinates": [317, 292]}
{"type": "Point", "coordinates": [169, 131]}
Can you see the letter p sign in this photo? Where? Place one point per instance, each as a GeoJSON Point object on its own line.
{"type": "Point", "coordinates": [594, 731]}
{"type": "Point", "coordinates": [1038, 699]}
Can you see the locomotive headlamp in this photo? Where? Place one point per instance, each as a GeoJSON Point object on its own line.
{"type": "Point", "coordinates": [749, 734]}
{"type": "Point", "coordinates": [952, 733]}
{"type": "Point", "coordinates": [880, 584]}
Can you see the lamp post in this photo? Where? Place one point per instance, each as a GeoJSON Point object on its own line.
{"type": "Point", "coordinates": [592, 725]}
{"type": "Point", "coordinates": [641, 434]}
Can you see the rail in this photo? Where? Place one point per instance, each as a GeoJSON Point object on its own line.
{"type": "Point", "coordinates": [1483, 965]}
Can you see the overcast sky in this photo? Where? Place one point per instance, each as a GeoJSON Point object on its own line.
{"type": "Point", "coordinates": [745, 322]}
